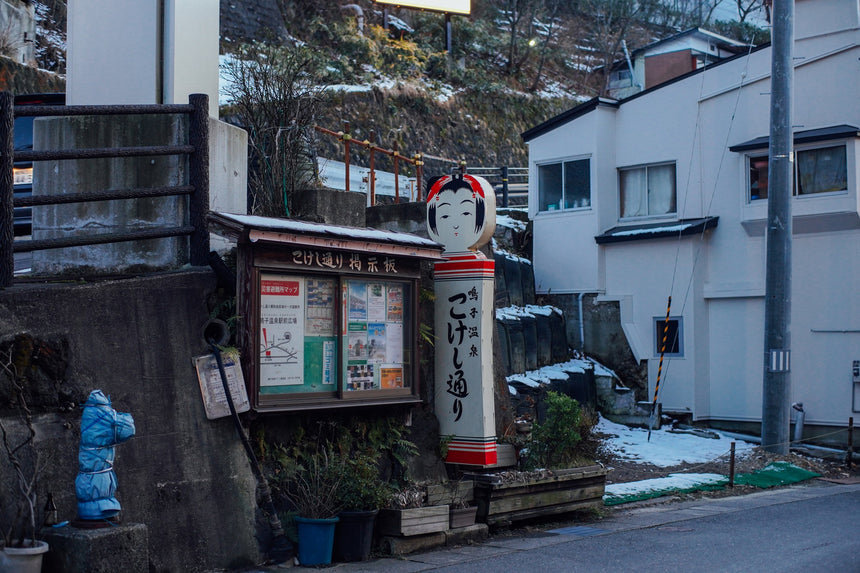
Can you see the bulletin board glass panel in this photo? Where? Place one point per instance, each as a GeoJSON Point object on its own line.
{"type": "Point", "coordinates": [376, 335]}
{"type": "Point", "coordinates": [298, 346]}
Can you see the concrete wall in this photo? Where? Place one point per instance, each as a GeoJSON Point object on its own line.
{"type": "Point", "coordinates": [183, 476]}
{"type": "Point", "coordinates": [76, 219]}
{"type": "Point", "coordinates": [228, 174]}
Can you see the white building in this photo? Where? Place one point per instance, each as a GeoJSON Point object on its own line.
{"type": "Point", "coordinates": [663, 193]}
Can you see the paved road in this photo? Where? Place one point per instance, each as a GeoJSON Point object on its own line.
{"type": "Point", "coordinates": [814, 527]}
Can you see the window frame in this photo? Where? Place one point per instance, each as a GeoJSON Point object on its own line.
{"type": "Point", "coordinates": [646, 167]}
{"type": "Point", "coordinates": [657, 323]}
{"type": "Point", "coordinates": [751, 156]}
{"type": "Point", "coordinates": [562, 163]}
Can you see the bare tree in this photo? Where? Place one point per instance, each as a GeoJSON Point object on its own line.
{"type": "Point", "coordinates": [518, 16]}
{"type": "Point", "coordinates": [747, 7]}
{"type": "Point", "coordinates": [276, 97]}
{"type": "Point", "coordinates": [609, 23]}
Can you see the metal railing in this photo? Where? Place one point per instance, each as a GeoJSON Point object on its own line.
{"type": "Point", "coordinates": [509, 182]}
{"type": "Point", "coordinates": [197, 188]}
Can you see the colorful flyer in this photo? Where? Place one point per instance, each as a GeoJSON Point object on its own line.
{"type": "Point", "coordinates": [357, 300]}
{"type": "Point", "coordinates": [319, 320]}
{"type": "Point", "coordinates": [359, 377]}
{"type": "Point", "coordinates": [357, 340]}
{"type": "Point", "coordinates": [395, 303]}
{"type": "Point", "coordinates": [376, 342]}
{"type": "Point", "coordinates": [376, 302]}
{"type": "Point", "coordinates": [282, 334]}
{"type": "Point", "coordinates": [390, 378]}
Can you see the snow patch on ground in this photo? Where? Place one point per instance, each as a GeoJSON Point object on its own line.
{"type": "Point", "coordinates": [666, 449]}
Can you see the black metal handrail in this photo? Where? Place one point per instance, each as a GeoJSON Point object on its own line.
{"type": "Point", "coordinates": [197, 188]}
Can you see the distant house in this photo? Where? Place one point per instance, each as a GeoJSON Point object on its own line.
{"type": "Point", "coordinates": [18, 31]}
{"type": "Point", "coordinates": [664, 193]}
{"type": "Point", "coordinates": [669, 58]}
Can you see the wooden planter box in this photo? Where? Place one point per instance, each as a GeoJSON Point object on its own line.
{"type": "Point", "coordinates": [418, 521]}
{"type": "Point", "coordinates": [568, 490]}
{"type": "Point", "coordinates": [463, 516]}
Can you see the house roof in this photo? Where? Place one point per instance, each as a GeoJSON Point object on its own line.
{"type": "Point", "coordinates": [725, 43]}
{"type": "Point", "coordinates": [661, 230]}
{"type": "Point", "coordinates": [567, 116]}
{"type": "Point", "coordinates": [592, 104]}
{"type": "Point", "coordinates": [807, 136]}
{"type": "Point", "coordinates": [722, 42]}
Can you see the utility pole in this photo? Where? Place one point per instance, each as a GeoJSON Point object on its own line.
{"type": "Point", "coordinates": [775, 418]}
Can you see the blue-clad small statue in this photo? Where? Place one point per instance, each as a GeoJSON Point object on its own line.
{"type": "Point", "coordinates": [102, 428]}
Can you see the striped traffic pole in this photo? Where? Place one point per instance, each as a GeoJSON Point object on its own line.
{"type": "Point", "coordinates": [660, 368]}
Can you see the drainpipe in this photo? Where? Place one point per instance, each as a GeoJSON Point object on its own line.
{"type": "Point", "coordinates": [581, 324]}
{"type": "Point", "coordinates": [630, 66]}
{"type": "Point", "coordinates": [798, 422]}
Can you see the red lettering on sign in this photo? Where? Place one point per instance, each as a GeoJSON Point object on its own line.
{"type": "Point", "coordinates": [279, 288]}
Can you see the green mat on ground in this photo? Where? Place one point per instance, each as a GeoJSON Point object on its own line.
{"type": "Point", "coordinates": [775, 473]}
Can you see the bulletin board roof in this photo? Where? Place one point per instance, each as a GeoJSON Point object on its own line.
{"type": "Point", "coordinates": [253, 228]}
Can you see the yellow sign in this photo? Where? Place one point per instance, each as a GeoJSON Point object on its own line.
{"type": "Point", "coordinates": [449, 6]}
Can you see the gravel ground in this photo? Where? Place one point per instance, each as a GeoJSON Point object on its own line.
{"type": "Point", "coordinates": [624, 471]}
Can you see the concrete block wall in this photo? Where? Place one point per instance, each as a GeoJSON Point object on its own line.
{"type": "Point", "coordinates": [186, 478]}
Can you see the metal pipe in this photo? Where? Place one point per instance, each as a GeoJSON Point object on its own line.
{"type": "Point", "coordinates": [798, 422]}
{"type": "Point", "coordinates": [581, 323]}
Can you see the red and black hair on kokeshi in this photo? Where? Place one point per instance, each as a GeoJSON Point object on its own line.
{"type": "Point", "coordinates": [455, 182]}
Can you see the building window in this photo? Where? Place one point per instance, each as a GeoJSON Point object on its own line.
{"type": "Point", "coordinates": [819, 170]}
{"type": "Point", "coordinates": [564, 185]}
{"type": "Point", "coordinates": [674, 336]}
{"type": "Point", "coordinates": [648, 191]}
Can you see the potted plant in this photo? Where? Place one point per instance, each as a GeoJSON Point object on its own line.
{"type": "Point", "coordinates": [21, 550]}
{"type": "Point", "coordinates": [362, 493]}
{"type": "Point", "coordinates": [313, 491]}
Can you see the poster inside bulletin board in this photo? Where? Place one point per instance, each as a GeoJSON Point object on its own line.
{"type": "Point", "coordinates": [373, 335]}
{"type": "Point", "coordinates": [297, 338]}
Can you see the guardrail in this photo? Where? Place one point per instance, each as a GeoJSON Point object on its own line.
{"type": "Point", "coordinates": [508, 181]}
{"type": "Point", "coordinates": [197, 188]}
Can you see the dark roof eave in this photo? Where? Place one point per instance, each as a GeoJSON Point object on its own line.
{"type": "Point", "coordinates": [808, 136]}
{"type": "Point", "coordinates": [567, 116]}
{"type": "Point", "coordinates": [621, 234]}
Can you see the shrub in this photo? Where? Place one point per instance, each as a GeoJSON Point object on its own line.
{"type": "Point", "coordinates": [555, 443]}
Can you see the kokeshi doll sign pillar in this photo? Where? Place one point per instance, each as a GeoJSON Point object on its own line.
{"type": "Point", "coordinates": [461, 215]}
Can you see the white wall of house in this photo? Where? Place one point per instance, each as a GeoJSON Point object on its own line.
{"type": "Point", "coordinates": [717, 281]}
{"type": "Point", "coordinates": [141, 51]}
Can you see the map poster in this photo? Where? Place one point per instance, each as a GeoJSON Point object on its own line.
{"type": "Point", "coordinates": [390, 378]}
{"type": "Point", "coordinates": [319, 320]}
{"type": "Point", "coordinates": [394, 342]}
{"type": "Point", "coordinates": [282, 321]}
{"type": "Point", "coordinates": [376, 342]}
{"type": "Point", "coordinates": [376, 302]}
{"type": "Point", "coordinates": [359, 377]}
{"type": "Point", "coordinates": [357, 340]}
{"type": "Point", "coordinates": [357, 300]}
{"type": "Point", "coordinates": [395, 303]}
